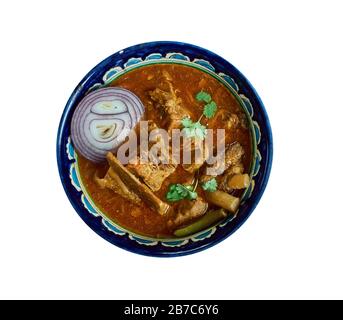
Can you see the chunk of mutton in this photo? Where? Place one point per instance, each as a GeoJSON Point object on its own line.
{"type": "Point", "coordinates": [170, 106]}
{"type": "Point", "coordinates": [232, 165]}
{"type": "Point", "coordinates": [112, 181]}
{"type": "Point", "coordinates": [136, 186]}
{"type": "Point", "coordinates": [232, 159]}
{"type": "Point", "coordinates": [152, 174]}
{"type": "Point", "coordinates": [189, 210]}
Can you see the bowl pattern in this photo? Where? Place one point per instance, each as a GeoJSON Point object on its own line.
{"type": "Point", "coordinates": [152, 53]}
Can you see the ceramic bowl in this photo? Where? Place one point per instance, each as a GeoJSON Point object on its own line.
{"type": "Point", "coordinates": [166, 52]}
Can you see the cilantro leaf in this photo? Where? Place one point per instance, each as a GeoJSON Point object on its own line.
{"type": "Point", "coordinates": [192, 195]}
{"type": "Point", "coordinates": [193, 129]}
{"type": "Point", "coordinates": [210, 185]}
{"type": "Point", "coordinates": [175, 193]}
{"type": "Point", "coordinates": [186, 122]}
{"type": "Point", "coordinates": [200, 131]}
{"type": "Point", "coordinates": [210, 109]}
{"type": "Point", "coordinates": [203, 96]}
{"type": "Point", "coordinates": [179, 191]}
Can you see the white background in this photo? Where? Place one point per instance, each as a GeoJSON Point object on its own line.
{"type": "Point", "coordinates": [291, 246]}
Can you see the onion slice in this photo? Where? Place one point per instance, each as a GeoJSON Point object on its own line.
{"type": "Point", "coordinates": [102, 121]}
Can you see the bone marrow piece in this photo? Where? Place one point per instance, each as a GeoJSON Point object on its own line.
{"type": "Point", "coordinates": [139, 188]}
{"type": "Point", "coordinates": [188, 211]}
{"type": "Point", "coordinates": [112, 181]}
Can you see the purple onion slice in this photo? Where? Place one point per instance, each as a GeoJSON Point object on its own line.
{"type": "Point", "coordinates": [102, 121]}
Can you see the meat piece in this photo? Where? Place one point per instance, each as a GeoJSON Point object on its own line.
{"type": "Point", "coordinates": [223, 180]}
{"type": "Point", "coordinates": [136, 186]}
{"type": "Point", "coordinates": [169, 105]}
{"type": "Point", "coordinates": [199, 153]}
{"type": "Point", "coordinates": [232, 165]}
{"type": "Point", "coordinates": [233, 154]}
{"type": "Point", "coordinates": [189, 210]}
{"type": "Point", "coordinates": [153, 175]}
{"type": "Point", "coordinates": [161, 164]}
{"type": "Point", "coordinates": [112, 181]}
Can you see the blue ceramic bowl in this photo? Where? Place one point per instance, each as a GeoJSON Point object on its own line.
{"type": "Point", "coordinates": [166, 52]}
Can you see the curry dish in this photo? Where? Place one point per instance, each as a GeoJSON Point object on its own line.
{"type": "Point", "coordinates": [171, 200]}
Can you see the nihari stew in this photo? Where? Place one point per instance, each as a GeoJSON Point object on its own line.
{"type": "Point", "coordinates": [156, 199]}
